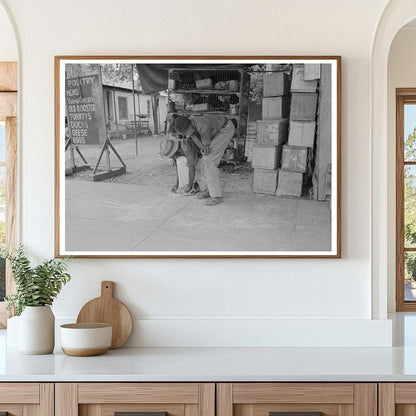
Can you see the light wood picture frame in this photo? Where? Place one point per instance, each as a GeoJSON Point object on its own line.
{"type": "Point", "coordinates": [131, 130]}
{"type": "Point", "coordinates": [8, 119]}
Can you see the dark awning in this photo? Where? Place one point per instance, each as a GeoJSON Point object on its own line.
{"type": "Point", "coordinates": [154, 77]}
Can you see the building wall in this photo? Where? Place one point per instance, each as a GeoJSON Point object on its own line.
{"type": "Point", "coordinates": [212, 302]}
{"type": "Point", "coordinates": [143, 106]}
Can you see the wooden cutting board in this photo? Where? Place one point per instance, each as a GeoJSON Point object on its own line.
{"type": "Point", "coordinates": [107, 309]}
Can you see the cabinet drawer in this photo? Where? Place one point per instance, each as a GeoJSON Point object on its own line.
{"type": "Point", "coordinates": [21, 399]}
{"type": "Point", "coordinates": [264, 399]}
{"type": "Point", "coordinates": [19, 393]}
{"type": "Point", "coordinates": [106, 399]}
{"type": "Point", "coordinates": [138, 393]}
{"type": "Point", "coordinates": [397, 399]}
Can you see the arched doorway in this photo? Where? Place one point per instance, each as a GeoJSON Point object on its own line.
{"type": "Point", "coordinates": [396, 15]}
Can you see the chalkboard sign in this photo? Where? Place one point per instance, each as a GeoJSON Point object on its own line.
{"type": "Point", "coordinates": [85, 110]}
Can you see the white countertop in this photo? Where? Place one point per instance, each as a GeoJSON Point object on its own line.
{"type": "Point", "coordinates": [215, 364]}
{"type": "Point", "coordinates": [222, 364]}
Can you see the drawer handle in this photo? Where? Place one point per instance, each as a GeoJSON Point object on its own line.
{"type": "Point", "coordinates": [139, 414]}
{"type": "Point", "coordinates": [295, 414]}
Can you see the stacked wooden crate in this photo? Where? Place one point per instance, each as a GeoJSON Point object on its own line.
{"type": "Point", "coordinates": [250, 140]}
{"type": "Point", "coordinates": [302, 126]}
{"type": "Point", "coordinates": [271, 132]}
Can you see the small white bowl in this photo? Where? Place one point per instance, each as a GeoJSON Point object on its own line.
{"type": "Point", "coordinates": [83, 340]}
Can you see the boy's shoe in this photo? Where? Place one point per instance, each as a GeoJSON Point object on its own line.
{"type": "Point", "coordinates": [191, 192]}
{"type": "Point", "coordinates": [203, 195]}
{"type": "Point", "coordinates": [215, 201]}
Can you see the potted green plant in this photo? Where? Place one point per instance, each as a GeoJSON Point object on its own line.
{"type": "Point", "coordinates": [36, 289]}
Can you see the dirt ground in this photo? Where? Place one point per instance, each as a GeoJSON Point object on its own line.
{"type": "Point", "coordinates": [136, 212]}
{"type": "Point", "coordinates": [149, 168]}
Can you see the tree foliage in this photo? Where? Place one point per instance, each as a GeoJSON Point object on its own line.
{"type": "Point", "coordinates": [2, 204]}
{"type": "Point", "coordinates": [410, 146]}
{"type": "Point", "coordinates": [410, 204]}
{"type": "Point", "coordinates": [2, 235]}
{"type": "Point", "coordinates": [410, 191]}
{"type": "Point", "coordinates": [112, 74]}
{"type": "Point", "coordinates": [257, 73]}
{"type": "Point", "coordinates": [116, 73]}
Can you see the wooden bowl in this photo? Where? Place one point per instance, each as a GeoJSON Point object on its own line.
{"type": "Point", "coordinates": [84, 340]}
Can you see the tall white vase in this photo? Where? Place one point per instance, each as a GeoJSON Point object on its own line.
{"type": "Point", "coordinates": [12, 334]}
{"type": "Point", "coordinates": [37, 330]}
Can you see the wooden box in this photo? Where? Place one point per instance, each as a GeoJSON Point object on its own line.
{"type": "Point", "coordinates": [290, 183]}
{"type": "Point", "coordinates": [204, 83]}
{"type": "Point", "coordinates": [251, 125]}
{"type": "Point", "coordinates": [302, 133]}
{"type": "Point", "coordinates": [251, 130]}
{"type": "Point", "coordinates": [201, 107]}
{"type": "Point", "coordinates": [298, 80]}
{"type": "Point", "coordinates": [272, 132]}
{"type": "Point", "coordinates": [312, 72]}
{"type": "Point", "coordinates": [251, 136]}
{"type": "Point", "coordinates": [303, 106]}
{"type": "Point", "coordinates": [233, 85]}
{"type": "Point", "coordinates": [265, 181]}
{"type": "Point", "coordinates": [266, 157]}
{"type": "Point", "coordinates": [276, 85]}
{"type": "Point", "coordinates": [294, 158]}
{"type": "Point", "coordinates": [275, 108]}
{"type": "Point", "coordinates": [248, 152]}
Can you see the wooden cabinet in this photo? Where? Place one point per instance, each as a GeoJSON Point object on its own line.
{"type": "Point", "coordinates": [332, 399]}
{"type": "Point", "coordinates": [397, 399]}
{"type": "Point", "coordinates": [208, 399]}
{"type": "Point", "coordinates": [105, 399]}
{"type": "Point", "coordinates": [27, 399]}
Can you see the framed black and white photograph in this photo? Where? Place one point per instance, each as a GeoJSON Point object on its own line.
{"type": "Point", "coordinates": [198, 156]}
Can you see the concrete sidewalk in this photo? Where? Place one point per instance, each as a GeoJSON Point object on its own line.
{"type": "Point", "coordinates": [106, 216]}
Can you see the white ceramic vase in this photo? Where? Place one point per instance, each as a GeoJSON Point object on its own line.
{"type": "Point", "coordinates": [12, 334]}
{"type": "Point", "coordinates": [37, 330]}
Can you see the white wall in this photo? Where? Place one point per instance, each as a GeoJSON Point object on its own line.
{"type": "Point", "coordinates": [8, 46]}
{"type": "Point", "coordinates": [212, 302]}
{"type": "Point", "coordinates": [401, 74]}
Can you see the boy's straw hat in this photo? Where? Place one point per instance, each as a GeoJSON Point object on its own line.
{"type": "Point", "coordinates": [168, 147]}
